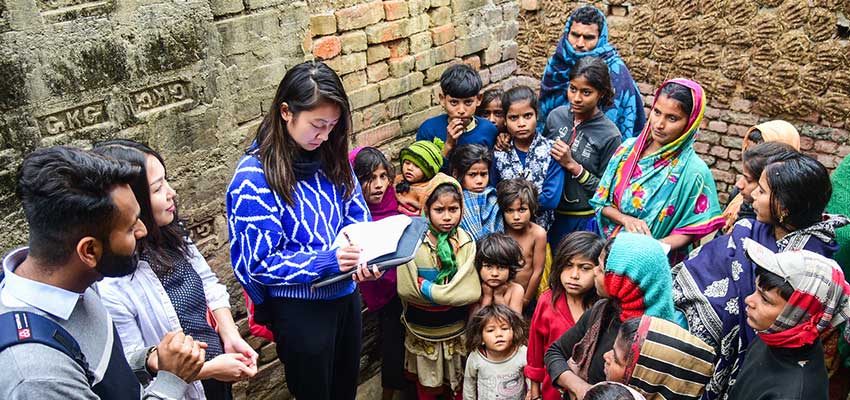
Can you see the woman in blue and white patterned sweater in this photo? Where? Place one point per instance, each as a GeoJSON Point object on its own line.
{"type": "Point", "coordinates": [292, 192]}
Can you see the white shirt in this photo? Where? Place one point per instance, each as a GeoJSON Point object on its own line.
{"type": "Point", "coordinates": [21, 292]}
{"type": "Point", "coordinates": [143, 312]}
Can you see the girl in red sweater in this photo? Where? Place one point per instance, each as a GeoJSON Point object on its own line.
{"type": "Point", "coordinates": [570, 294]}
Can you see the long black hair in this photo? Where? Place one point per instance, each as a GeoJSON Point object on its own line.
{"type": "Point", "coordinates": [303, 88]}
{"type": "Point", "coordinates": [163, 244]}
{"type": "Point", "coordinates": [595, 71]}
{"type": "Point", "coordinates": [582, 244]}
{"type": "Point", "coordinates": [467, 155]}
{"type": "Point", "coordinates": [367, 160]}
{"type": "Point", "coordinates": [799, 185]}
{"type": "Point", "coordinates": [758, 156]}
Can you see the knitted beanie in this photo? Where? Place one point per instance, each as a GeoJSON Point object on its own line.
{"type": "Point", "coordinates": [637, 274]}
{"type": "Point", "coordinates": [426, 155]}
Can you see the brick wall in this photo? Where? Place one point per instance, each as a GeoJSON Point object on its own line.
{"type": "Point", "coordinates": [391, 55]}
{"type": "Point", "coordinates": [758, 60]}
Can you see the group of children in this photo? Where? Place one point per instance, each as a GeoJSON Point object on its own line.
{"type": "Point", "coordinates": [491, 187]}
{"type": "Point", "coordinates": [512, 259]}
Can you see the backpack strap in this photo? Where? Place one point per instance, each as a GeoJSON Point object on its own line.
{"type": "Point", "coordinates": [19, 327]}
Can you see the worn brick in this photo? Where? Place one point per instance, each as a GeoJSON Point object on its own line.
{"type": "Point", "coordinates": [398, 107]}
{"type": "Point", "coordinates": [731, 142]}
{"type": "Point", "coordinates": [359, 16]}
{"type": "Point", "coordinates": [440, 16]}
{"type": "Point", "coordinates": [502, 71]}
{"type": "Point", "coordinates": [378, 71]}
{"type": "Point", "coordinates": [719, 151]}
{"type": "Point", "coordinates": [420, 42]}
{"type": "Point", "coordinates": [354, 80]}
{"type": "Point", "coordinates": [473, 61]}
{"type": "Point", "coordinates": [741, 105]}
{"type": "Point", "coordinates": [356, 121]}
{"type": "Point", "coordinates": [723, 176]}
{"type": "Point", "coordinates": [395, 86]}
{"type": "Point", "coordinates": [440, 3]}
{"type": "Point", "coordinates": [322, 24]}
{"type": "Point", "coordinates": [424, 60]}
{"type": "Point", "coordinates": [723, 165]}
{"type": "Point", "coordinates": [459, 6]}
{"type": "Point", "coordinates": [474, 43]}
{"type": "Point", "coordinates": [442, 34]}
{"type": "Point", "coordinates": [224, 7]}
{"type": "Point", "coordinates": [434, 73]}
{"type": "Point", "coordinates": [394, 10]}
{"type": "Point", "coordinates": [740, 118]}
{"type": "Point", "coordinates": [806, 143]}
{"type": "Point", "coordinates": [828, 161]}
{"type": "Point", "coordinates": [386, 31]}
{"type": "Point", "coordinates": [843, 150]}
{"type": "Point", "coordinates": [825, 146]}
{"type": "Point", "coordinates": [735, 155]}
{"type": "Point", "coordinates": [717, 126]}
{"type": "Point", "coordinates": [492, 55]}
{"type": "Point", "coordinates": [411, 122]}
{"type": "Point", "coordinates": [370, 94]}
{"type": "Point", "coordinates": [353, 42]}
{"type": "Point", "coordinates": [709, 137]}
{"type": "Point", "coordinates": [737, 130]}
{"type": "Point", "coordinates": [484, 73]}
{"type": "Point", "coordinates": [701, 148]}
{"type": "Point", "coordinates": [510, 31]}
{"type": "Point", "coordinates": [399, 48]}
{"type": "Point", "coordinates": [401, 66]}
{"type": "Point", "coordinates": [348, 63]}
{"type": "Point", "coordinates": [420, 99]}
{"type": "Point", "coordinates": [378, 134]}
{"type": "Point", "coordinates": [618, 11]}
{"type": "Point", "coordinates": [417, 24]}
{"type": "Point", "coordinates": [509, 51]}
{"type": "Point", "coordinates": [445, 52]}
{"type": "Point", "coordinates": [418, 7]}
{"type": "Point", "coordinates": [374, 114]}
{"type": "Point", "coordinates": [377, 53]}
{"type": "Point", "coordinates": [529, 5]}
{"type": "Point", "coordinates": [510, 11]}
{"type": "Point", "coordinates": [327, 47]}
{"type": "Point", "coordinates": [649, 90]}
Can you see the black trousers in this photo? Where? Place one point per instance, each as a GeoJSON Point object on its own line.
{"type": "Point", "coordinates": [217, 390]}
{"type": "Point", "coordinates": [392, 346]}
{"type": "Point", "coordinates": [318, 342]}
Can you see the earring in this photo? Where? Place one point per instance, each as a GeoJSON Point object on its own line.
{"type": "Point", "coordinates": [782, 217]}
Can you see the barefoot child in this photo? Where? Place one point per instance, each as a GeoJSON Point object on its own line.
{"type": "Point", "coordinates": [471, 164]}
{"type": "Point", "coordinates": [420, 162]}
{"type": "Point", "coordinates": [375, 174]}
{"type": "Point", "coordinates": [498, 259]}
{"type": "Point", "coordinates": [436, 289]}
{"type": "Point", "coordinates": [497, 355]}
{"type": "Point", "coordinates": [571, 292]}
{"type": "Point", "coordinates": [529, 156]}
{"type": "Point", "coordinates": [518, 202]}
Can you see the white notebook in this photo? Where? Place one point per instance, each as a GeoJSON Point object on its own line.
{"type": "Point", "coordinates": [375, 238]}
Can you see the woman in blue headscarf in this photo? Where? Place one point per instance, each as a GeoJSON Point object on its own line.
{"type": "Point", "coordinates": [586, 35]}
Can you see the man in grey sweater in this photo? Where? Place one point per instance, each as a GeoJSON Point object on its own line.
{"type": "Point", "coordinates": [83, 225]}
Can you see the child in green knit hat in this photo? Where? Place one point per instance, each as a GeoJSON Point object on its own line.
{"type": "Point", "coordinates": [420, 162]}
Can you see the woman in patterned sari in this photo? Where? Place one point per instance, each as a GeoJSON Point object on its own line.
{"type": "Point", "coordinates": [711, 285]}
{"type": "Point", "coordinates": [656, 184]}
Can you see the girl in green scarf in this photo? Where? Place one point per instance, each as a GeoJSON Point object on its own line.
{"type": "Point", "coordinates": [436, 289]}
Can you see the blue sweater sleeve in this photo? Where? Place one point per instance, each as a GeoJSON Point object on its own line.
{"type": "Point", "coordinates": [553, 186]}
{"type": "Point", "coordinates": [261, 247]}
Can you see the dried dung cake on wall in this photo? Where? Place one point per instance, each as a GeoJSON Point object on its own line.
{"type": "Point", "coordinates": [790, 59]}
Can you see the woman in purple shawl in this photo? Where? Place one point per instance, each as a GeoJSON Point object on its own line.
{"type": "Point", "coordinates": [375, 174]}
{"type": "Point", "coordinates": [711, 285]}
